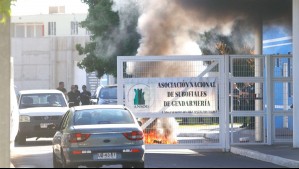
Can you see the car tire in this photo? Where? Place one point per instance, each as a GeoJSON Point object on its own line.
{"type": "Point", "coordinates": [20, 139]}
{"type": "Point", "coordinates": [65, 165]}
{"type": "Point", "coordinates": [138, 165]}
{"type": "Point", "coordinates": [127, 165]}
{"type": "Point", "coordinates": [134, 165]}
{"type": "Point", "coordinates": [56, 164]}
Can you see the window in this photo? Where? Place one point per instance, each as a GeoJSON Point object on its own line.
{"type": "Point", "coordinates": [30, 31]}
{"type": "Point", "coordinates": [27, 30]}
{"type": "Point", "coordinates": [39, 30]}
{"type": "Point", "coordinates": [52, 28]}
{"type": "Point", "coordinates": [74, 28]}
{"type": "Point", "coordinates": [20, 31]}
{"type": "Point", "coordinates": [88, 32]}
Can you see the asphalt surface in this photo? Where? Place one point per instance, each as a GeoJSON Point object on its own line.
{"type": "Point", "coordinates": [38, 154]}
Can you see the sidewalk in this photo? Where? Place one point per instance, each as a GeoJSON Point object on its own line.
{"type": "Point", "coordinates": [280, 154]}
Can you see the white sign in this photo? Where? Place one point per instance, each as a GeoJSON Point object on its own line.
{"type": "Point", "coordinates": [172, 95]}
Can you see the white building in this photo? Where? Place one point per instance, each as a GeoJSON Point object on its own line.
{"type": "Point", "coordinates": [44, 50]}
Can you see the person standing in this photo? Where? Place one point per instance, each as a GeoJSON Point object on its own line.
{"type": "Point", "coordinates": [236, 97]}
{"type": "Point", "coordinates": [248, 103]}
{"type": "Point", "coordinates": [85, 96]}
{"type": "Point", "coordinates": [61, 88]}
{"type": "Point", "coordinates": [74, 96]}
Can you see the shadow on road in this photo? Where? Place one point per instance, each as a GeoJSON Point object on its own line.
{"type": "Point", "coordinates": [34, 142]}
{"type": "Point", "coordinates": [33, 161]}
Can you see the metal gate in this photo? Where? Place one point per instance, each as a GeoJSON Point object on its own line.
{"type": "Point", "coordinates": [179, 99]}
{"type": "Point", "coordinates": [265, 115]}
{"type": "Point", "coordinates": [190, 101]}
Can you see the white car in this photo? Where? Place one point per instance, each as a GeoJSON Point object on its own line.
{"type": "Point", "coordinates": [39, 109]}
{"type": "Point", "coordinates": [14, 116]}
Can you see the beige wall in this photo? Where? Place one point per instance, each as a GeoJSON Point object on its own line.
{"type": "Point", "coordinates": [40, 63]}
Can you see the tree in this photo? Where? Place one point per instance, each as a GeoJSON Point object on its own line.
{"type": "Point", "coordinates": [110, 37]}
{"type": "Point", "coordinates": [4, 10]}
{"type": "Point", "coordinates": [212, 43]}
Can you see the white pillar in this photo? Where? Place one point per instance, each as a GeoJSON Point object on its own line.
{"type": "Point", "coordinates": [259, 135]}
{"type": "Point", "coordinates": [5, 94]}
{"type": "Point", "coordinates": [295, 76]}
{"type": "Point", "coordinates": [285, 95]}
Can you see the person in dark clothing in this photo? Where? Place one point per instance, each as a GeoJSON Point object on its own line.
{"type": "Point", "coordinates": [236, 97]}
{"type": "Point", "coordinates": [61, 88]}
{"type": "Point", "coordinates": [74, 96]}
{"type": "Point", "coordinates": [85, 96]}
{"type": "Point", "coordinates": [247, 102]}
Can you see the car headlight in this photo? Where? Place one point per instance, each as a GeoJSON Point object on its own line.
{"type": "Point", "coordinates": [24, 118]}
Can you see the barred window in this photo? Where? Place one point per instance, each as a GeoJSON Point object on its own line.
{"type": "Point", "coordinates": [51, 28]}
{"type": "Point", "coordinates": [74, 28]}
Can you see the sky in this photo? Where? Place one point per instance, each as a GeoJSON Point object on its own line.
{"type": "Point", "coordinates": [33, 7]}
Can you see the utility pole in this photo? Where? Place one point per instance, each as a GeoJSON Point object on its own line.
{"type": "Point", "coordinates": [5, 93]}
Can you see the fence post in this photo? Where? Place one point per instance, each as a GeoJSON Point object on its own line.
{"type": "Point", "coordinates": [269, 100]}
{"type": "Point", "coordinates": [226, 102]}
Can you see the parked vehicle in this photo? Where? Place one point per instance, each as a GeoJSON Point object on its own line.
{"type": "Point", "coordinates": [96, 135]}
{"type": "Point", "coordinates": [105, 95]}
{"type": "Point", "coordinates": [38, 109]}
{"type": "Point", "coordinates": [14, 116]}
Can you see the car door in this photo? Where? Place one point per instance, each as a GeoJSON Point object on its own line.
{"type": "Point", "coordinates": [57, 139]}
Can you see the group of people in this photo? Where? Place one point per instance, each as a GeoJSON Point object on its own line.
{"type": "Point", "coordinates": [244, 99]}
{"type": "Point", "coordinates": [75, 97]}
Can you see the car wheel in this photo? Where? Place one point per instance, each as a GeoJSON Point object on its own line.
{"type": "Point", "coordinates": [56, 164]}
{"type": "Point", "coordinates": [133, 165]}
{"type": "Point", "coordinates": [127, 165]}
{"type": "Point", "coordinates": [138, 165]}
{"type": "Point", "coordinates": [65, 165]}
{"type": "Point", "coordinates": [21, 139]}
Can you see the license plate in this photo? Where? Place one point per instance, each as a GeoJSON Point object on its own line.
{"type": "Point", "coordinates": [106, 156]}
{"type": "Point", "coordinates": [45, 125]}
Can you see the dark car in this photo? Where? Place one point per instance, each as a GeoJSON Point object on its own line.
{"type": "Point", "coordinates": [105, 95]}
{"type": "Point", "coordinates": [97, 135]}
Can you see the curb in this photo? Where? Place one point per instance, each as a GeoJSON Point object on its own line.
{"type": "Point", "coordinates": [265, 157]}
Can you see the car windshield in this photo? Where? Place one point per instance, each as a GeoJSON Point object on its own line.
{"type": "Point", "coordinates": [108, 93]}
{"type": "Point", "coordinates": [42, 100]}
{"type": "Point", "coordinates": [103, 116]}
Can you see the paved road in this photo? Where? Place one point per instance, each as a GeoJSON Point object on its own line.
{"type": "Point", "coordinates": [38, 154]}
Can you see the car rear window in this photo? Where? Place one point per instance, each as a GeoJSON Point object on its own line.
{"type": "Point", "coordinates": [42, 100]}
{"type": "Point", "coordinates": [108, 93]}
{"type": "Point", "coordinates": [102, 116]}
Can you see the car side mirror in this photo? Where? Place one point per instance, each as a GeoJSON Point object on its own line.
{"type": "Point", "coordinates": [140, 123]}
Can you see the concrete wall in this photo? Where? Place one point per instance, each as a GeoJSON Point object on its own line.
{"type": "Point", "coordinates": [40, 63]}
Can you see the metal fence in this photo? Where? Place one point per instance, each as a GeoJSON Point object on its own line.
{"type": "Point", "coordinates": [208, 101]}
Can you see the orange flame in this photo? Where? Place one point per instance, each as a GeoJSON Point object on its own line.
{"type": "Point", "coordinates": [153, 138]}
